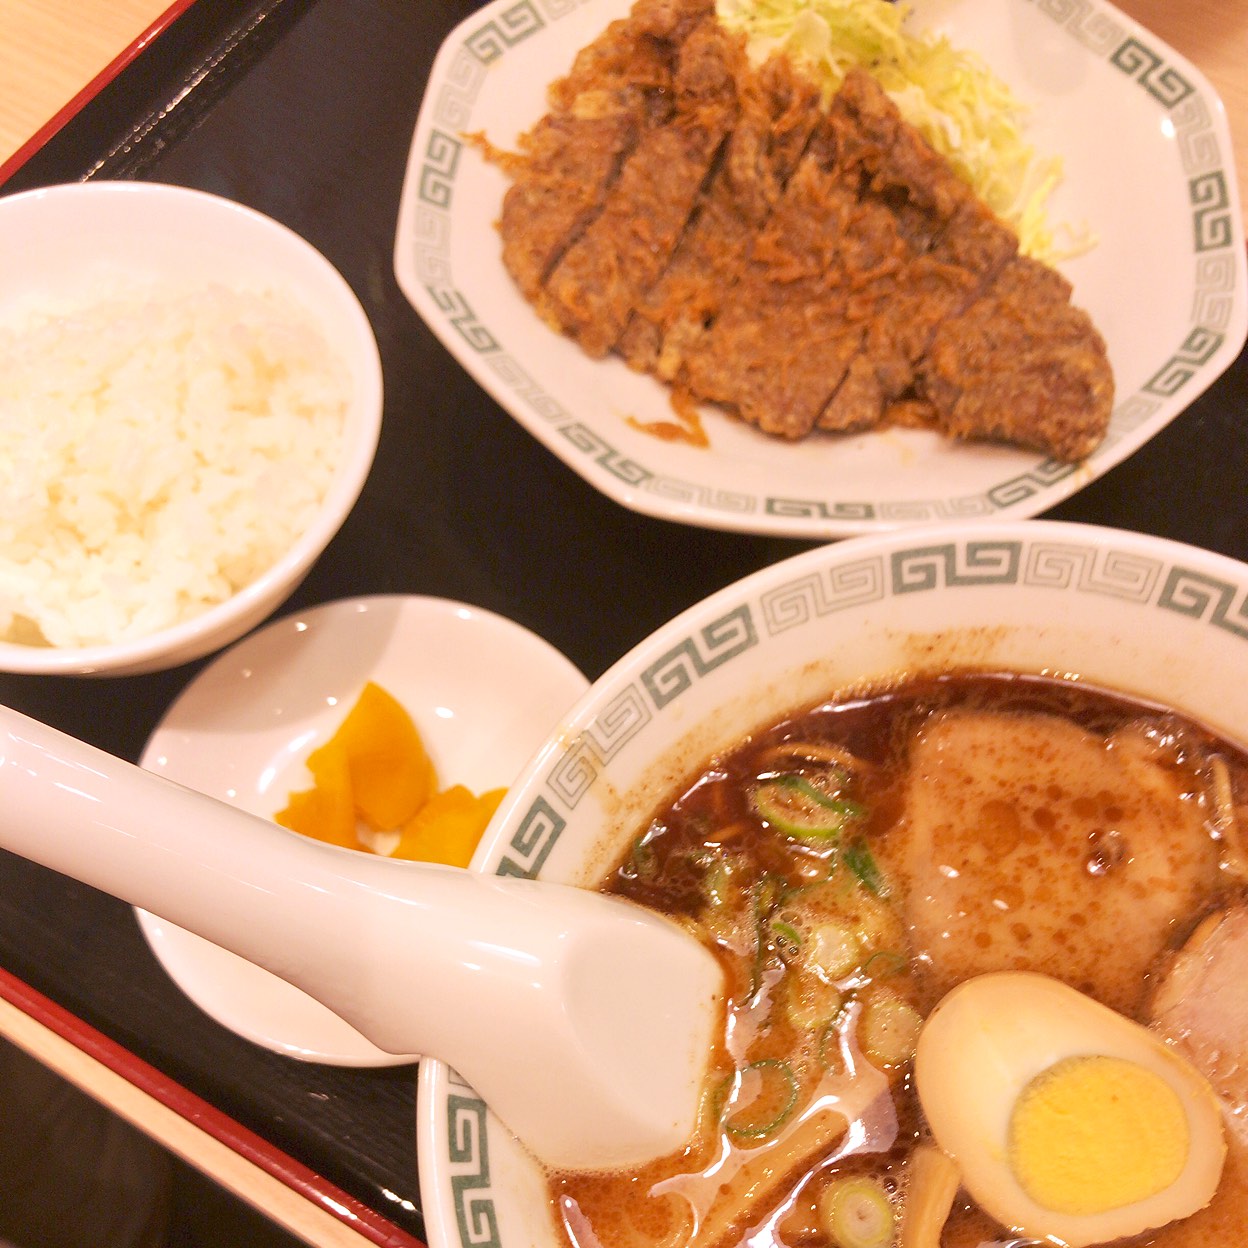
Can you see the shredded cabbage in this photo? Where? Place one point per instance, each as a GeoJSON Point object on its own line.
{"type": "Point", "coordinates": [949, 94]}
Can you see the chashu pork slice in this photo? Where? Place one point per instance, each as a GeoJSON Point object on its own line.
{"type": "Point", "coordinates": [605, 272]}
{"type": "Point", "coordinates": [618, 88]}
{"type": "Point", "coordinates": [1029, 843]}
{"type": "Point", "coordinates": [1201, 1006]}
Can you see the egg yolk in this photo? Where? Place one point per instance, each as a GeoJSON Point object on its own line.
{"type": "Point", "coordinates": [1090, 1134]}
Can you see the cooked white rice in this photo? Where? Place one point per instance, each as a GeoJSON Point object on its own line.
{"type": "Point", "coordinates": [158, 452]}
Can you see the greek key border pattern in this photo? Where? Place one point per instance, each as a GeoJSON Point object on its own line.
{"type": "Point", "coordinates": [1196, 350]}
{"type": "Point", "coordinates": [673, 673]}
{"type": "Point", "coordinates": [1163, 81]}
{"type": "Point", "coordinates": [469, 1156]}
{"type": "Point", "coordinates": [1211, 211]}
{"type": "Point", "coordinates": [533, 839]}
{"type": "Point", "coordinates": [503, 30]}
{"type": "Point", "coordinates": [576, 770]}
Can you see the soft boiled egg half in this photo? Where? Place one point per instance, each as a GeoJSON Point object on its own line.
{"type": "Point", "coordinates": [1066, 1120]}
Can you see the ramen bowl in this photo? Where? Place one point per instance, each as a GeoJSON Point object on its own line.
{"type": "Point", "coordinates": [1152, 619]}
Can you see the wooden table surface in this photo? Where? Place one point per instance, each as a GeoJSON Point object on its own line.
{"type": "Point", "coordinates": [51, 49]}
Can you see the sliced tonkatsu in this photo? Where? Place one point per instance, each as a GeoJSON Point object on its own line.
{"type": "Point", "coordinates": [607, 270]}
{"type": "Point", "coordinates": [1022, 365]}
{"type": "Point", "coordinates": [780, 344]}
{"type": "Point", "coordinates": [618, 89]}
{"type": "Point", "coordinates": [949, 247]}
{"type": "Point", "coordinates": [777, 112]}
{"type": "Point", "coordinates": [805, 268]}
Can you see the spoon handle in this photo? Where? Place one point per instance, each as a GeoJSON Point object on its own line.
{"type": "Point", "coordinates": [184, 856]}
{"type": "Point", "coordinates": [366, 936]}
{"type": "Point", "coordinates": [584, 1021]}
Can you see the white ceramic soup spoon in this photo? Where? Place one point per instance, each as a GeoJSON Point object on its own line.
{"type": "Point", "coordinates": [584, 1021]}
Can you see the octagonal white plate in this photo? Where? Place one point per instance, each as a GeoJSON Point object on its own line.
{"type": "Point", "coordinates": [483, 692]}
{"type": "Point", "coordinates": [1148, 167]}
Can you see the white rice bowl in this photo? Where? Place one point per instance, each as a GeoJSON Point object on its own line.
{"type": "Point", "coordinates": [189, 405]}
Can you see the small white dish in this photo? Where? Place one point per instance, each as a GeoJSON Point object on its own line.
{"type": "Point", "coordinates": [1148, 168]}
{"type": "Point", "coordinates": [483, 692]}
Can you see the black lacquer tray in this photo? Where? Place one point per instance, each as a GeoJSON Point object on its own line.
{"type": "Point", "coordinates": [304, 109]}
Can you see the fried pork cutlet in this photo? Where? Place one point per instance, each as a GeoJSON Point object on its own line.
{"type": "Point", "coordinates": [618, 89]}
{"type": "Point", "coordinates": [803, 269]}
{"type": "Point", "coordinates": [949, 245]}
{"type": "Point", "coordinates": [607, 271]}
{"type": "Point", "coordinates": [777, 351]}
{"type": "Point", "coordinates": [1021, 365]}
{"type": "Point", "coordinates": [777, 112]}
{"type": "Point", "coordinates": [875, 242]}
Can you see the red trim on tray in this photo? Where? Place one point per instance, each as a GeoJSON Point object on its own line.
{"type": "Point", "coordinates": [317, 1190]}
{"type": "Point", "coordinates": [93, 88]}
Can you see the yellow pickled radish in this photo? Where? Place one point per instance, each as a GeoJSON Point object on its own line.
{"type": "Point", "coordinates": [375, 772]}
{"type": "Point", "coordinates": [449, 826]}
{"type": "Point", "coordinates": [391, 773]}
{"type": "Point", "coordinates": [326, 811]}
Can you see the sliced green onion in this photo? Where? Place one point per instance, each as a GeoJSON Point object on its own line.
{"type": "Point", "coordinates": [835, 949]}
{"type": "Point", "coordinates": [787, 938]}
{"type": "Point", "coordinates": [859, 860]}
{"type": "Point", "coordinates": [768, 891]}
{"type": "Point", "coordinates": [883, 962]}
{"type": "Point", "coordinates": [775, 1102]}
{"type": "Point", "coordinates": [642, 860]}
{"type": "Point", "coordinates": [889, 1029]}
{"type": "Point", "coordinates": [810, 1001]}
{"type": "Point", "coordinates": [717, 886]}
{"type": "Point", "coordinates": [800, 809]}
{"type": "Point", "coordinates": [856, 1213]}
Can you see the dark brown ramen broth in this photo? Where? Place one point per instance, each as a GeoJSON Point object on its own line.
{"type": "Point", "coordinates": [768, 902]}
